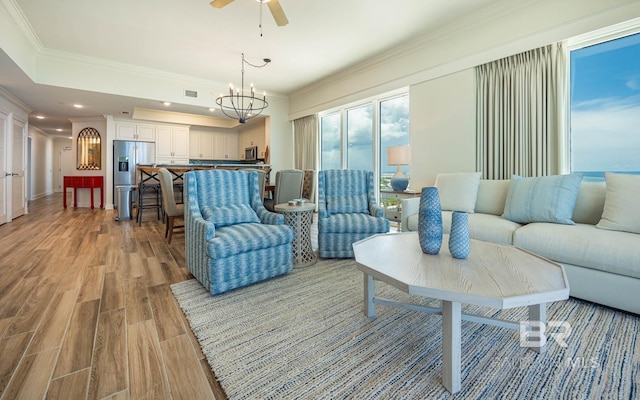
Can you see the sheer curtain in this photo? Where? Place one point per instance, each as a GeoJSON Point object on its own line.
{"type": "Point", "coordinates": [521, 113]}
{"type": "Point", "coordinates": [305, 139]}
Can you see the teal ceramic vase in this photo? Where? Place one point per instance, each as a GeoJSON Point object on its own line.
{"type": "Point", "coordinates": [459, 240]}
{"type": "Point", "coordinates": [430, 221]}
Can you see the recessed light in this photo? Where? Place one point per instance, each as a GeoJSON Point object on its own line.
{"type": "Point", "coordinates": [59, 129]}
{"type": "Point", "coordinates": [166, 103]}
{"type": "Point", "coordinates": [40, 116]}
{"type": "Point", "coordinates": [212, 109]}
{"type": "Point", "coordinates": [78, 105]}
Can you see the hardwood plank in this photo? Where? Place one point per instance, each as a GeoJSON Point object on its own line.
{"type": "Point", "coordinates": [11, 351]}
{"type": "Point", "coordinates": [77, 347]}
{"type": "Point", "coordinates": [12, 302]}
{"type": "Point", "coordinates": [217, 390]}
{"type": "Point", "coordinates": [73, 273]}
{"type": "Point", "coordinates": [132, 259]}
{"type": "Point", "coordinates": [166, 313]}
{"type": "Point", "coordinates": [137, 301]}
{"type": "Point", "coordinates": [188, 381]}
{"type": "Point", "coordinates": [33, 309]}
{"type": "Point", "coordinates": [193, 338]}
{"type": "Point", "coordinates": [32, 376]}
{"type": "Point", "coordinates": [124, 395]}
{"type": "Point", "coordinates": [172, 272]}
{"type": "Point", "coordinates": [109, 368]}
{"type": "Point", "coordinates": [135, 266]}
{"type": "Point", "coordinates": [146, 371]}
{"type": "Point", "coordinates": [52, 327]}
{"type": "Point", "coordinates": [112, 292]}
{"type": "Point", "coordinates": [4, 324]}
{"type": "Point", "coordinates": [92, 283]}
{"type": "Point", "coordinates": [144, 248]}
{"type": "Point", "coordinates": [72, 386]}
{"type": "Point", "coordinates": [153, 272]}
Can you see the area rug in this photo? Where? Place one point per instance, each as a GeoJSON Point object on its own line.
{"type": "Point", "coordinates": [304, 335]}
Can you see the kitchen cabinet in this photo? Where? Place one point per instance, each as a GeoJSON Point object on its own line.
{"type": "Point", "coordinates": [225, 146]}
{"type": "Point", "coordinates": [172, 145]}
{"type": "Point", "coordinates": [136, 132]}
{"type": "Point", "coordinates": [201, 145]}
{"type": "Point", "coordinates": [254, 137]}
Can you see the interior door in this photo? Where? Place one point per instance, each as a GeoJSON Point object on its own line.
{"type": "Point", "coordinates": [18, 171]}
{"type": "Point", "coordinates": [3, 168]}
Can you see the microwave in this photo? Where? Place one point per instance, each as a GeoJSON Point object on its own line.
{"type": "Point", "coordinates": [251, 153]}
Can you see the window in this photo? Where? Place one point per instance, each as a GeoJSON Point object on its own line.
{"type": "Point", "coordinates": [360, 138]}
{"type": "Point", "coordinates": [605, 107]}
{"type": "Point", "coordinates": [357, 136]}
{"type": "Point", "coordinates": [330, 155]}
{"type": "Point", "coordinates": [394, 131]}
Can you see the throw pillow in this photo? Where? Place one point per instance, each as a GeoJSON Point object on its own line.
{"type": "Point", "coordinates": [621, 211]}
{"type": "Point", "coordinates": [230, 215]}
{"type": "Point", "coordinates": [542, 199]}
{"type": "Point", "coordinates": [458, 191]}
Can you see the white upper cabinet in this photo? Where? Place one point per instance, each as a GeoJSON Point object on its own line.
{"type": "Point", "coordinates": [172, 145]}
{"type": "Point", "coordinates": [132, 131]}
{"type": "Point", "coordinates": [219, 146]}
{"type": "Point", "coordinates": [225, 146]}
{"type": "Point", "coordinates": [201, 145]}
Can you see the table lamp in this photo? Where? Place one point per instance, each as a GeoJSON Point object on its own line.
{"type": "Point", "coordinates": [399, 155]}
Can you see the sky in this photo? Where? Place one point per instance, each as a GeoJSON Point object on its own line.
{"type": "Point", "coordinates": [605, 106]}
{"type": "Point", "coordinates": [394, 131]}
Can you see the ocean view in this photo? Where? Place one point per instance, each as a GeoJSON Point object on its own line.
{"type": "Point", "coordinates": [598, 176]}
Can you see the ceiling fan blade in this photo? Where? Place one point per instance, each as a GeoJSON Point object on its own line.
{"type": "Point", "coordinates": [278, 13]}
{"type": "Point", "coordinates": [220, 3]}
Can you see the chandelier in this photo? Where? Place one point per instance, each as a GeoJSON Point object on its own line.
{"type": "Point", "coordinates": [243, 105]}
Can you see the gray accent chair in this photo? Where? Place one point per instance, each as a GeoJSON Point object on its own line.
{"type": "Point", "coordinates": [288, 187]}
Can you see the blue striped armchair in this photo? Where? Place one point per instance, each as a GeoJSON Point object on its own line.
{"type": "Point", "coordinates": [231, 239]}
{"type": "Point", "coordinates": [347, 211]}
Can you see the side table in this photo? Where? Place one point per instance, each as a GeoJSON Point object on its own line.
{"type": "Point", "coordinates": [299, 217]}
{"type": "Point", "coordinates": [392, 203]}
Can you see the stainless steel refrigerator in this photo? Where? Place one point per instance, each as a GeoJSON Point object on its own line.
{"type": "Point", "coordinates": [125, 157]}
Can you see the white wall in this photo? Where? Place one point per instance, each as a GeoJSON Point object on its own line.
{"type": "Point", "coordinates": [279, 135]}
{"type": "Point", "coordinates": [442, 133]}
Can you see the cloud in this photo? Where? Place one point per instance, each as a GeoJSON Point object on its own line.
{"type": "Point", "coordinates": [605, 135]}
{"type": "Point", "coordinates": [634, 82]}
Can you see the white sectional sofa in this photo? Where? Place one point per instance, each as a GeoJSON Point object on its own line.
{"type": "Point", "coordinates": [602, 265]}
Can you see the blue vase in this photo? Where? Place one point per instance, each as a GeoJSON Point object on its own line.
{"type": "Point", "coordinates": [459, 240]}
{"type": "Point", "coordinates": [430, 221]}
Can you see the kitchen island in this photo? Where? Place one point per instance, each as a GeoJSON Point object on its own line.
{"type": "Point", "coordinates": [148, 172]}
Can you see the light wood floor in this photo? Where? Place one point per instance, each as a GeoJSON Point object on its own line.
{"type": "Point", "coordinates": [86, 310]}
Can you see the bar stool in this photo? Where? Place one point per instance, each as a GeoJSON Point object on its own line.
{"type": "Point", "coordinates": [149, 195]}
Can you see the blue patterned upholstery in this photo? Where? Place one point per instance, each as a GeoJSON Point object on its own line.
{"type": "Point", "coordinates": [224, 250]}
{"type": "Point", "coordinates": [347, 211]}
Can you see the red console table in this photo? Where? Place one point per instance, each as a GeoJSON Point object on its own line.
{"type": "Point", "coordinates": [83, 182]}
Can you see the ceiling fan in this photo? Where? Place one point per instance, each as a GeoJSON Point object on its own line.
{"type": "Point", "coordinates": [274, 7]}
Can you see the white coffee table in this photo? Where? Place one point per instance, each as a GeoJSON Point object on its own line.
{"type": "Point", "coordinates": [493, 276]}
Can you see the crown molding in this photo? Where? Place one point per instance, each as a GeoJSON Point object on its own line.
{"type": "Point", "coordinates": [467, 23]}
{"type": "Point", "coordinates": [605, 34]}
{"type": "Point", "coordinates": [14, 100]}
{"type": "Point", "coordinates": [20, 22]}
